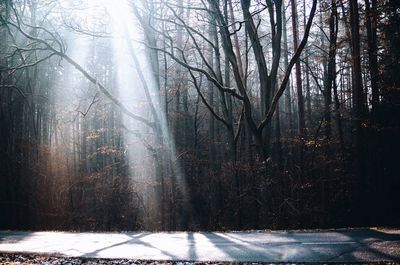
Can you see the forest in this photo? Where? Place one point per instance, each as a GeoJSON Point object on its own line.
{"type": "Point", "coordinates": [199, 114]}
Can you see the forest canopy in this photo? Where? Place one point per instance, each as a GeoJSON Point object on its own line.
{"type": "Point", "coordinates": [199, 114]}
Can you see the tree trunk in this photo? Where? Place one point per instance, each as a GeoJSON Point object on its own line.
{"type": "Point", "coordinates": [288, 97]}
{"type": "Point", "coordinates": [211, 125]}
{"type": "Point", "coordinates": [306, 55]}
{"type": "Point", "coordinates": [265, 89]}
{"type": "Point", "coordinates": [300, 100]}
{"type": "Point", "coordinates": [358, 109]}
{"type": "Point", "coordinates": [371, 21]}
{"type": "Point", "coordinates": [331, 73]}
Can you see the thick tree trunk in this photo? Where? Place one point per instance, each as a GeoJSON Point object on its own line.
{"type": "Point", "coordinates": [358, 108]}
{"type": "Point", "coordinates": [265, 89]}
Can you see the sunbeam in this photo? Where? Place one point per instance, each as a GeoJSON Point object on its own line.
{"type": "Point", "coordinates": [151, 152]}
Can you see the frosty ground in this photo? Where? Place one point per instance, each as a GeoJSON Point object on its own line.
{"type": "Point", "coordinates": [339, 246]}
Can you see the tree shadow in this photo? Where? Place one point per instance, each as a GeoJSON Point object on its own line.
{"type": "Point", "coordinates": [247, 251]}
{"type": "Point", "coordinates": [9, 237]}
{"type": "Point", "coordinates": [370, 246]}
{"type": "Point", "coordinates": [192, 253]}
{"type": "Point", "coordinates": [326, 246]}
{"type": "Point", "coordinates": [333, 246]}
{"type": "Point", "coordinates": [134, 240]}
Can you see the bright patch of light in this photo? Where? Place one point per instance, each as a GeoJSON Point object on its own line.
{"type": "Point", "coordinates": [114, 22]}
{"type": "Point", "coordinates": [141, 141]}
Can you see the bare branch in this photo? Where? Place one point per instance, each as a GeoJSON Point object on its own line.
{"type": "Point", "coordinates": [295, 57]}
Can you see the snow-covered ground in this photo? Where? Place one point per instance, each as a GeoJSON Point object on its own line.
{"type": "Point", "coordinates": [283, 246]}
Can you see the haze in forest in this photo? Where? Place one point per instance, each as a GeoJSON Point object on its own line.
{"type": "Point", "coordinates": [199, 115]}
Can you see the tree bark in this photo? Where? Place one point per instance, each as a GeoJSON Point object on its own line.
{"type": "Point", "coordinates": [288, 97]}
{"type": "Point", "coordinates": [300, 99]}
{"type": "Point", "coordinates": [358, 109]}
{"type": "Point", "coordinates": [371, 24]}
